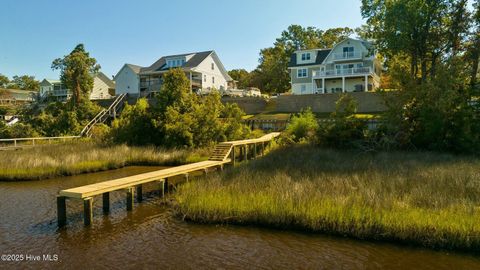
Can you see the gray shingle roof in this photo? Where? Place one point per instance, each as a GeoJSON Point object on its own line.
{"type": "Point", "coordinates": [321, 55]}
{"type": "Point", "coordinates": [135, 68]}
{"type": "Point", "coordinates": [194, 61]}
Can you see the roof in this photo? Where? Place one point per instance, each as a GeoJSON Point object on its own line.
{"type": "Point", "coordinates": [104, 78]}
{"type": "Point", "coordinates": [135, 68]}
{"type": "Point", "coordinates": [51, 81]}
{"type": "Point", "coordinates": [193, 62]}
{"type": "Point", "coordinates": [321, 55]}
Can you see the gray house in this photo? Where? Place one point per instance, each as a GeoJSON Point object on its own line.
{"type": "Point", "coordinates": [350, 66]}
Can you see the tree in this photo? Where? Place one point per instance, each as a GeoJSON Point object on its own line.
{"type": "Point", "coordinates": [24, 82]}
{"type": "Point", "coordinates": [242, 77]}
{"type": "Point", "coordinates": [473, 47]}
{"type": "Point", "coordinates": [4, 81]}
{"type": "Point", "coordinates": [75, 73]}
{"type": "Point", "coordinates": [175, 91]}
{"type": "Point", "coordinates": [422, 30]}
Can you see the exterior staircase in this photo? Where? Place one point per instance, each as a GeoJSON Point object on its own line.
{"type": "Point", "coordinates": [221, 152]}
{"type": "Point", "coordinates": [111, 112]}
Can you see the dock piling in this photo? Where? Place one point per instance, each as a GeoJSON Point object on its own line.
{"type": "Point", "coordinates": [61, 211]}
{"type": "Point", "coordinates": [87, 211]}
{"type": "Point", "coordinates": [106, 202]}
{"type": "Point", "coordinates": [139, 191]}
{"type": "Point", "coordinates": [130, 194]}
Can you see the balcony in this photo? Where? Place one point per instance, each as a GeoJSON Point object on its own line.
{"type": "Point", "coordinates": [61, 92]}
{"type": "Point", "coordinates": [342, 72]}
{"type": "Point", "coordinates": [347, 56]}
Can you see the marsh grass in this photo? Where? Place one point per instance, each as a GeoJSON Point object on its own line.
{"type": "Point", "coordinates": [426, 199]}
{"type": "Point", "coordinates": [48, 161]}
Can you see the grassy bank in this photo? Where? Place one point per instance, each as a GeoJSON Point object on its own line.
{"type": "Point", "coordinates": [426, 199]}
{"type": "Point", "coordinates": [81, 157]}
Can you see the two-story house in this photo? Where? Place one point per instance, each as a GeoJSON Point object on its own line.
{"type": "Point", "coordinates": [350, 66]}
{"type": "Point", "coordinates": [204, 70]}
{"type": "Point", "coordinates": [102, 88]}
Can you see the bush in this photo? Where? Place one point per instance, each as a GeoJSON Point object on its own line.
{"type": "Point", "coordinates": [434, 115]}
{"type": "Point", "coordinates": [302, 126]}
{"type": "Point", "coordinates": [344, 130]}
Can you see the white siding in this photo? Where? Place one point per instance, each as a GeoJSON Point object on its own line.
{"type": "Point", "coordinates": [126, 81]}
{"type": "Point", "coordinates": [356, 44]}
{"type": "Point", "coordinates": [100, 89]}
{"type": "Point", "coordinates": [206, 69]}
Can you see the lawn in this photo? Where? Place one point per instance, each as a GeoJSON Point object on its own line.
{"type": "Point", "coordinates": [426, 199]}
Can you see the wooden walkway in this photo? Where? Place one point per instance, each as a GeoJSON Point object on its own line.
{"type": "Point", "coordinates": [224, 153]}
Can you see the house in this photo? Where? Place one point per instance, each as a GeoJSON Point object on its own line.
{"type": "Point", "coordinates": [350, 66]}
{"type": "Point", "coordinates": [55, 89]}
{"type": "Point", "coordinates": [16, 96]}
{"type": "Point", "coordinates": [204, 70]}
{"type": "Point", "coordinates": [102, 88]}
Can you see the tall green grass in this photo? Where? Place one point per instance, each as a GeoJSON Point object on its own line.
{"type": "Point", "coordinates": [426, 199]}
{"type": "Point", "coordinates": [48, 161]}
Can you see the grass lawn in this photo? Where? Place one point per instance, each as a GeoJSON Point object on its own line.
{"type": "Point", "coordinates": [82, 157]}
{"type": "Point", "coordinates": [426, 199]}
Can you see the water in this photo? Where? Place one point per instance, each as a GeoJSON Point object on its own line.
{"type": "Point", "coordinates": [150, 237]}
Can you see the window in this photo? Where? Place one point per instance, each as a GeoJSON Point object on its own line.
{"type": "Point", "coordinates": [302, 73]}
{"type": "Point", "coordinates": [213, 79]}
{"type": "Point", "coordinates": [213, 66]}
{"type": "Point", "coordinates": [348, 52]}
{"type": "Point", "coordinates": [305, 56]}
{"type": "Point", "coordinates": [204, 78]}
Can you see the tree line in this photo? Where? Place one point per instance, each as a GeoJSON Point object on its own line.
{"type": "Point", "coordinates": [23, 82]}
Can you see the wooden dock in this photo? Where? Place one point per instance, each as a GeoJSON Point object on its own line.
{"type": "Point", "coordinates": [224, 153]}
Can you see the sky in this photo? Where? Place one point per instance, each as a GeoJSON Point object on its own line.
{"type": "Point", "coordinates": [33, 33]}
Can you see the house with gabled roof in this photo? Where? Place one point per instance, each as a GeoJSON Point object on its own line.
{"type": "Point", "coordinates": [102, 88]}
{"type": "Point", "coordinates": [350, 66]}
{"type": "Point", "coordinates": [204, 70]}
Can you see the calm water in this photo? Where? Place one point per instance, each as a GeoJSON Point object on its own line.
{"type": "Point", "coordinates": [149, 237]}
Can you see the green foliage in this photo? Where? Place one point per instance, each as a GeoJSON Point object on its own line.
{"type": "Point", "coordinates": [4, 81]}
{"type": "Point", "coordinates": [242, 77]}
{"type": "Point", "coordinates": [19, 130]}
{"type": "Point", "coordinates": [59, 119]}
{"type": "Point", "coordinates": [135, 125]}
{"type": "Point", "coordinates": [23, 82]}
{"type": "Point", "coordinates": [344, 130]}
{"type": "Point", "coordinates": [75, 73]}
{"type": "Point", "coordinates": [180, 118]}
{"type": "Point", "coordinates": [303, 126]}
{"type": "Point", "coordinates": [436, 115]}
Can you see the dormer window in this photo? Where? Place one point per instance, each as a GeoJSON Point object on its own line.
{"type": "Point", "coordinates": [305, 56]}
{"type": "Point", "coordinates": [175, 62]}
{"type": "Point", "coordinates": [348, 52]}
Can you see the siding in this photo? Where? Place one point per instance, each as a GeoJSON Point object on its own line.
{"type": "Point", "coordinates": [206, 69]}
{"type": "Point", "coordinates": [127, 81]}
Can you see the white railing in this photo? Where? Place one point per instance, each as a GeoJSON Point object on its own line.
{"type": "Point", "coordinates": [347, 55]}
{"type": "Point", "coordinates": [22, 142]}
{"type": "Point", "coordinates": [342, 72]}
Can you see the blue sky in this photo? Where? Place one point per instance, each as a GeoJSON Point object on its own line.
{"type": "Point", "coordinates": [33, 33]}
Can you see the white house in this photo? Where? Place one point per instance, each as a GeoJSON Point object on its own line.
{"type": "Point", "coordinates": [102, 88]}
{"type": "Point", "coordinates": [350, 66]}
{"type": "Point", "coordinates": [204, 70]}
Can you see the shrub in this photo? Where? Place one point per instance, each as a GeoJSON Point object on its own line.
{"type": "Point", "coordinates": [303, 126]}
{"type": "Point", "coordinates": [343, 130]}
